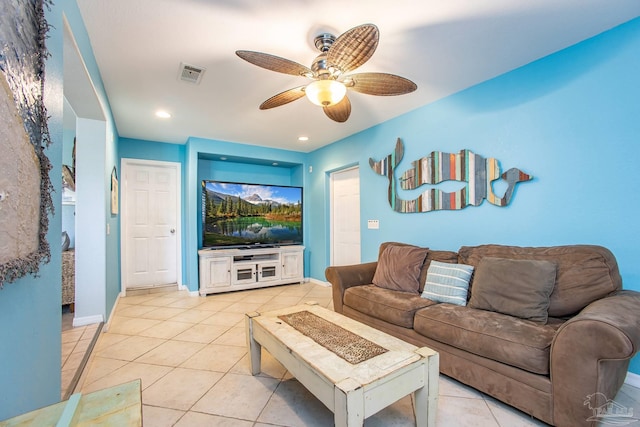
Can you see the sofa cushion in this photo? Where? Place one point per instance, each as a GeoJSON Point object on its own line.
{"type": "Point", "coordinates": [447, 282]}
{"type": "Point", "coordinates": [517, 287]}
{"type": "Point", "coordinates": [443, 256]}
{"type": "Point", "coordinates": [496, 336]}
{"type": "Point", "coordinates": [399, 268]}
{"type": "Point", "coordinates": [585, 272]}
{"type": "Point", "coordinates": [391, 306]}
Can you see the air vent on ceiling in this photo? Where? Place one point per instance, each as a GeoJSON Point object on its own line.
{"type": "Point", "coordinates": [190, 73]}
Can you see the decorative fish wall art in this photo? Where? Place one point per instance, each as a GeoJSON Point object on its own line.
{"type": "Point", "coordinates": [478, 172]}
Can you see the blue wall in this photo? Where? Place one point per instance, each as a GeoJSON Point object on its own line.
{"type": "Point", "coordinates": [30, 311]}
{"type": "Point", "coordinates": [570, 120]}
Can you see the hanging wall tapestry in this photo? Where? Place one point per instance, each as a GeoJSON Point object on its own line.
{"type": "Point", "coordinates": [25, 187]}
{"type": "Point", "coordinates": [478, 172]}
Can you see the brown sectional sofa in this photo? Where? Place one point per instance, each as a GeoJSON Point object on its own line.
{"type": "Point", "coordinates": [546, 369]}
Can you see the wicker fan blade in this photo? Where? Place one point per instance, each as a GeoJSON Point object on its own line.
{"type": "Point", "coordinates": [339, 112]}
{"type": "Point", "coordinates": [274, 63]}
{"type": "Point", "coordinates": [381, 84]}
{"type": "Point", "coordinates": [354, 47]}
{"type": "Point", "coordinates": [283, 98]}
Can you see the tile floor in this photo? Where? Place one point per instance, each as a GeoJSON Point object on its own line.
{"type": "Point", "coordinates": [190, 354]}
{"type": "Point", "coordinates": [76, 344]}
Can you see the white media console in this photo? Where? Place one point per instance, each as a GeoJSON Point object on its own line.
{"type": "Point", "coordinates": [224, 270]}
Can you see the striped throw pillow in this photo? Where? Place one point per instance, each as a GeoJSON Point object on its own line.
{"type": "Point", "coordinates": [447, 282]}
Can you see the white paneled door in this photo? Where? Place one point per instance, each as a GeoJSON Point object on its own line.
{"type": "Point", "coordinates": [150, 222]}
{"type": "Point", "coordinates": [345, 217]}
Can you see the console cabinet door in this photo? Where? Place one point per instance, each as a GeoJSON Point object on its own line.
{"type": "Point", "coordinates": [243, 273]}
{"type": "Point", "coordinates": [268, 271]}
{"type": "Point", "coordinates": [217, 272]}
{"type": "Point", "coordinates": [292, 267]}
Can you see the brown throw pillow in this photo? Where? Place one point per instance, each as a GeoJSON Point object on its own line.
{"type": "Point", "coordinates": [517, 287]}
{"type": "Point", "coordinates": [399, 268]}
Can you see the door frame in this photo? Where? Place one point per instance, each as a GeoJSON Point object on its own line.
{"type": "Point", "coordinates": [126, 165]}
{"type": "Point", "coordinates": [332, 204]}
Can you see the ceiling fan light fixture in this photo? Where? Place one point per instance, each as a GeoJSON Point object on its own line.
{"type": "Point", "coordinates": [325, 92]}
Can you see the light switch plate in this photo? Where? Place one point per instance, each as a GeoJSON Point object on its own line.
{"type": "Point", "coordinates": [373, 224]}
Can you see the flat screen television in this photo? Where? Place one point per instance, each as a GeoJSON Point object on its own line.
{"type": "Point", "coordinates": [250, 215]}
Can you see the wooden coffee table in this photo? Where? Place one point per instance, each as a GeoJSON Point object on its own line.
{"type": "Point", "coordinates": [352, 391]}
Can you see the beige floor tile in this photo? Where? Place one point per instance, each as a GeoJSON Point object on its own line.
{"type": "Point", "coordinates": [65, 382]}
{"type": "Point", "coordinates": [148, 374]}
{"type": "Point", "coordinates": [508, 416]}
{"type": "Point", "coordinates": [269, 366]}
{"type": "Point", "coordinates": [166, 329]}
{"type": "Point", "coordinates": [463, 412]}
{"type": "Point", "coordinates": [225, 318]}
{"type": "Point", "coordinates": [215, 305]}
{"type": "Point", "coordinates": [180, 388]}
{"type": "Point", "coordinates": [196, 419]}
{"type": "Point", "coordinates": [285, 300]}
{"type": "Point", "coordinates": [296, 290]}
{"type": "Point", "coordinates": [134, 300]}
{"type": "Point", "coordinates": [101, 367]}
{"type": "Point", "coordinates": [131, 326]}
{"type": "Point", "coordinates": [323, 302]}
{"type": "Point", "coordinates": [219, 358]}
{"type": "Point", "coordinates": [320, 292]}
{"type": "Point", "coordinates": [453, 388]}
{"type": "Point", "coordinates": [233, 336]}
{"type": "Point", "coordinates": [67, 349]}
{"type": "Point", "coordinates": [227, 296]}
{"type": "Point", "coordinates": [130, 348]}
{"type": "Point", "coordinates": [398, 414]}
{"type": "Point", "coordinates": [237, 396]}
{"type": "Point", "coordinates": [202, 333]}
{"type": "Point", "coordinates": [171, 353]}
{"type": "Point", "coordinates": [293, 405]}
{"type": "Point", "coordinates": [73, 361]}
{"type": "Point", "coordinates": [243, 307]}
{"type": "Point", "coordinates": [188, 302]}
{"type": "Point", "coordinates": [162, 300]}
{"type": "Point", "coordinates": [134, 310]}
{"type": "Point", "coordinates": [72, 335]}
{"type": "Point", "coordinates": [82, 346]}
{"type": "Point", "coordinates": [161, 313]}
{"type": "Point", "coordinates": [153, 416]}
{"type": "Point", "coordinates": [192, 316]}
{"type": "Point", "coordinates": [272, 306]}
{"type": "Point", "coordinates": [257, 298]}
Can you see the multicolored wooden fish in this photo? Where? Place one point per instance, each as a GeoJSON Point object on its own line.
{"type": "Point", "coordinates": [478, 172]}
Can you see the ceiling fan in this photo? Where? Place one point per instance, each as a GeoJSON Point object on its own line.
{"type": "Point", "coordinates": [330, 83]}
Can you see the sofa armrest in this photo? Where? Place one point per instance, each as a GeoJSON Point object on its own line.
{"type": "Point", "coordinates": [590, 353]}
{"type": "Point", "coordinates": [346, 276]}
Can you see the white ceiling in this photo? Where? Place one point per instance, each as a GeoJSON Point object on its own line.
{"type": "Point", "coordinates": [444, 46]}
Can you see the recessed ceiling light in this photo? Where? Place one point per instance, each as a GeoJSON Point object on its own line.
{"type": "Point", "coordinates": [303, 138]}
{"type": "Point", "coordinates": [163, 114]}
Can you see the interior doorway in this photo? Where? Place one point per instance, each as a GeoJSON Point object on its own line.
{"type": "Point", "coordinates": [151, 254]}
{"type": "Point", "coordinates": [83, 120]}
{"type": "Point", "coordinates": [345, 216]}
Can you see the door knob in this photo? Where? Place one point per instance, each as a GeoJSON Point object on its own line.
{"type": "Point", "coordinates": [173, 230]}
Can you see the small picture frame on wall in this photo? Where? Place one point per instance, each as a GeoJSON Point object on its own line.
{"type": "Point", "coordinates": [114, 191]}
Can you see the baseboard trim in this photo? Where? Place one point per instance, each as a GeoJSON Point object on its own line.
{"type": "Point", "coordinates": [105, 328]}
{"type": "Point", "coordinates": [87, 320]}
{"type": "Point", "coordinates": [319, 282]}
{"type": "Point", "coordinates": [632, 379]}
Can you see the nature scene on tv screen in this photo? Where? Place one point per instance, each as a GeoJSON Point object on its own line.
{"type": "Point", "coordinates": [248, 214]}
